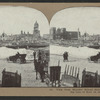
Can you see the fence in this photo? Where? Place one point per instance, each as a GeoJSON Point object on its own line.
{"type": "Point", "coordinates": [70, 77]}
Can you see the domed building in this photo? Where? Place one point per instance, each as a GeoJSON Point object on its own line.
{"type": "Point", "coordinates": [4, 36]}
{"type": "Point", "coordinates": [36, 31]}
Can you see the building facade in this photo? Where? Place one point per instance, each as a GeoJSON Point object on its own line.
{"type": "Point", "coordinates": [4, 36]}
{"type": "Point", "coordinates": [61, 33]}
{"type": "Point", "coordinates": [53, 33]}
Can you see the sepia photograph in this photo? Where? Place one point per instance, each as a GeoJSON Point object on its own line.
{"type": "Point", "coordinates": [49, 49]}
{"type": "Point", "coordinates": [75, 46]}
{"type": "Point", "coordinates": [24, 47]}
{"type": "Point", "coordinates": [63, 53]}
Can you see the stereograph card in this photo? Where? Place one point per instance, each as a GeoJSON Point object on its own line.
{"type": "Point", "coordinates": [49, 49]}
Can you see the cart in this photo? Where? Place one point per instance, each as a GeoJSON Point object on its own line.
{"type": "Point", "coordinates": [10, 79]}
{"type": "Point", "coordinates": [90, 79]}
{"type": "Point", "coordinates": [95, 58]}
{"type": "Point", "coordinates": [55, 75]}
{"type": "Point", "coordinates": [17, 58]}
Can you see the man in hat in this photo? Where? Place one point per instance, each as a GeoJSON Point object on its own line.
{"type": "Point", "coordinates": [34, 54]}
{"type": "Point", "coordinates": [65, 56]}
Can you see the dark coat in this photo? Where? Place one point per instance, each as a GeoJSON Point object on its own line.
{"type": "Point", "coordinates": [36, 64]}
{"type": "Point", "coordinates": [34, 54]}
{"type": "Point", "coordinates": [41, 69]}
{"type": "Point", "coordinates": [65, 56]}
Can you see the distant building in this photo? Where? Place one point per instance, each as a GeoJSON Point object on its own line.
{"type": "Point", "coordinates": [61, 33]}
{"type": "Point", "coordinates": [46, 36]}
{"type": "Point", "coordinates": [86, 36]}
{"type": "Point", "coordinates": [25, 37]}
{"type": "Point", "coordinates": [72, 35]}
{"type": "Point", "coordinates": [4, 36]}
{"type": "Point", "coordinates": [53, 33]}
{"type": "Point", "coordinates": [36, 31]}
{"type": "Point", "coordinates": [58, 32]}
{"type": "Point", "coordinates": [22, 32]}
{"type": "Point", "coordinates": [96, 38]}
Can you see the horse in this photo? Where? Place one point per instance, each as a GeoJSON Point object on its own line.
{"type": "Point", "coordinates": [37, 69]}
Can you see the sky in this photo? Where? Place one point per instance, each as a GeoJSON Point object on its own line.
{"type": "Point", "coordinates": [13, 19]}
{"type": "Point", "coordinates": [87, 19]}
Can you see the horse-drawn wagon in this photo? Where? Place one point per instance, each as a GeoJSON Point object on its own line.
{"type": "Point", "coordinates": [18, 58]}
{"type": "Point", "coordinates": [95, 58]}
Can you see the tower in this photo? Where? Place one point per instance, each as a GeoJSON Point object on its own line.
{"type": "Point", "coordinates": [4, 36]}
{"type": "Point", "coordinates": [36, 26]}
{"type": "Point", "coordinates": [36, 31]}
{"type": "Point", "coordinates": [79, 34]}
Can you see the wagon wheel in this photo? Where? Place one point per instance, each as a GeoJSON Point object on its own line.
{"type": "Point", "coordinates": [98, 60]}
{"type": "Point", "coordinates": [14, 60]}
{"type": "Point", "coordinates": [25, 61]}
{"type": "Point", "coordinates": [8, 59]}
{"type": "Point", "coordinates": [95, 61]}
{"type": "Point", "coordinates": [18, 61]}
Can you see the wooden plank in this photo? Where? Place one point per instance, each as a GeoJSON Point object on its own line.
{"type": "Point", "coordinates": [67, 69]}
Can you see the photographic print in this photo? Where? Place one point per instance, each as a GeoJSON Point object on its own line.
{"type": "Point", "coordinates": [63, 53]}
{"type": "Point", "coordinates": [49, 49]}
{"type": "Point", "coordinates": [75, 46]}
{"type": "Point", "coordinates": [24, 47]}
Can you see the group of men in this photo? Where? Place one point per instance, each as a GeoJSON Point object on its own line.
{"type": "Point", "coordinates": [39, 55]}
{"type": "Point", "coordinates": [65, 56]}
{"type": "Point", "coordinates": [40, 66]}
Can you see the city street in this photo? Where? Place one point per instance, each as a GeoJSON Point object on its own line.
{"type": "Point", "coordinates": [80, 63]}
{"type": "Point", "coordinates": [27, 73]}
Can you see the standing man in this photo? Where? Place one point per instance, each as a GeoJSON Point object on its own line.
{"type": "Point", "coordinates": [65, 56]}
{"type": "Point", "coordinates": [42, 73]}
{"type": "Point", "coordinates": [34, 54]}
{"type": "Point", "coordinates": [39, 56]}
